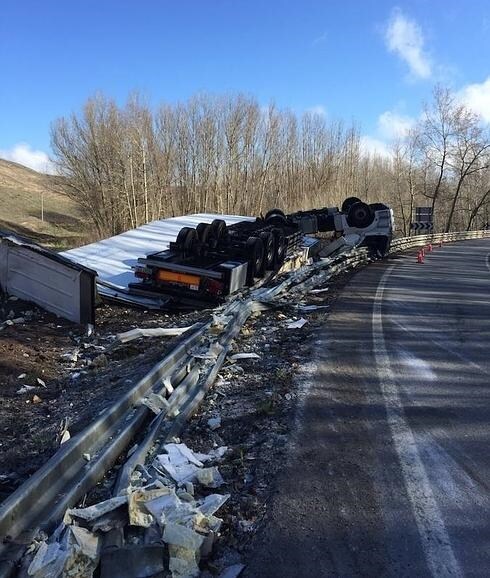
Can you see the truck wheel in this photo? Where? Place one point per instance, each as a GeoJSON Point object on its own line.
{"type": "Point", "coordinates": [255, 253]}
{"type": "Point", "coordinates": [202, 231]}
{"type": "Point", "coordinates": [275, 216]}
{"type": "Point", "coordinates": [186, 238]}
{"type": "Point", "coordinates": [206, 239]}
{"type": "Point", "coordinates": [347, 204]}
{"type": "Point", "coordinates": [219, 229]}
{"type": "Point", "coordinates": [269, 250]}
{"type": "Point", "coordinates": [360, 215]}
{"type": "Point", "coordinates": [281, 247]}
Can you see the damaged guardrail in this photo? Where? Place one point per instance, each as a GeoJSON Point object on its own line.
{"type": "Point", "coordinates": [161, 402]}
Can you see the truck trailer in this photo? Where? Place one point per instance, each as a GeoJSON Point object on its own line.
{"type": "Point", "coordinates": [207, 263]}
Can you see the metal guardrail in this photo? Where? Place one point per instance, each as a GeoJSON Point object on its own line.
{"type": "Point", "coordinates": [403, 243]}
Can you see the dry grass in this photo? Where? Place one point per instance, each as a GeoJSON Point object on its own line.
{"type": "Point", "coordinates": [21, 191]}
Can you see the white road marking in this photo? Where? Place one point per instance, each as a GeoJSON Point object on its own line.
{"type": "Point", "coordinates": [422, 368]}
{"type": "Point", "coordinates": [432, 530]}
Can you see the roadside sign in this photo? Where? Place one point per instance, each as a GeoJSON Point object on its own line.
{"type": "Point", "coordinates": [421, 226]}
{"type": "Point", "coordinates": [423, 221]}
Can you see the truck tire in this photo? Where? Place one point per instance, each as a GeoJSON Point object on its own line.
{"type": "Point", "coordinates": [186, 239]}
{"type": "Point", "coordinates": [255, 253]}
{"type": "Point", "coordinates": [276, 217]}
{"type": "Point", "coordinates": [347, 204]}
{"type": "Point", "coordinates": [360, 215]}
{"type": "Point", "coordinates": [203, 230]}
{"type": "Point", "coordinates": [280, 248]}
{"type": "Point", "coordinates": [269, 250]}
{"type": "Point", "coordinates": [220, 231]}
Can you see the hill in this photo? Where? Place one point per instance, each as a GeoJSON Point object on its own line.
{"type": "Point", "coordinates": [24, 193]}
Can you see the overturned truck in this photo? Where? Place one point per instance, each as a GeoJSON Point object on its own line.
{"type": "Point", "coordinates": [211, 261]}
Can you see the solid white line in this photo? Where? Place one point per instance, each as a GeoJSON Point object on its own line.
{"type": "Point", "coordinates": [433, 534]}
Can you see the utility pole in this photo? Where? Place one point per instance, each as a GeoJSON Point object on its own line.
{"type": "Point", "coordinates": [42, 206]}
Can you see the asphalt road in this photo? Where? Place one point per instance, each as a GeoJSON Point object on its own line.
{"type": "Point", "coordinates": [390, 470]}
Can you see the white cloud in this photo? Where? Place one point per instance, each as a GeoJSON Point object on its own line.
{"type": "Point", "coordinates": [320, 39]}
{"type": "Point", "coordinates": [392, 125]}
{"type": "Point", "coordinates": [23, 154]}
{"type": "Point", "coordinates": [374, 146]}
{"type": "Point", "coordinates": [404, 37]}
{"type": "Point", "coordinates": [318, 110]}
{"type": "Point", "coordinates": [477, 97]}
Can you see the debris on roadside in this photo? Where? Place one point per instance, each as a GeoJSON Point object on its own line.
{"type": "Point", "coordinates": [25, 389]}
{"type": "Point", "coordinates": [297, 324]}
{"type": "Point", "coordinates": [310, 308]}
{"type": "Point", "coordinates": [240, 356]}
{"type": "Point", "coordinates": [71, 551]}
{"type": "Point", "coordinates": [161, 512]}
{"type": "Point", "coordinates": [65, 437]}
{"type": "Point", "coordinates": [151, 332]}
{"type": "Point", "coordinates": [249, 411]}
{"type": "Point", "coordinates": [214, 423]}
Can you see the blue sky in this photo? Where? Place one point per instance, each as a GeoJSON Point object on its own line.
{"type": "Point", "coordinates": [371, 61]}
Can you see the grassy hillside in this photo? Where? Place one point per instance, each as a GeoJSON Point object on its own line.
{"type": "Point", "coordinates": [21, 193]}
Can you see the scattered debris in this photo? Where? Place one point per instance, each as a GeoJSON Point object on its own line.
{"type": "Point", "coordinates": [249, 465]}
{"type": "Point", "coordinates": [239, 356]}
{"type": "Point", "coordinates": [25, 389]}
{"type": "Point", "coordinates": [74, 551]}
{"type": "Point", "coordinates": [309, 308]}
{"type": "Point", "coordinates": [297, 324]}
{"type": "Point", "coordinates": [152, 332]}
{"type": "Point", "coordinates": [188, 526]}
{"type": "Point", "coordinates": [156, 403]}
{"type": "Point", "coordinates": [214, 422]}
{"type": "Point", "coordinates": [210, 477]}
{"type": "Point", "coordinates": [65, 437]}
{"type": "Point", "coordinates": [183, 465]}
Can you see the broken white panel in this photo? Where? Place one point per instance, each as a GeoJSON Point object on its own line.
{"type": "Point", "coordinates": [179, 473]}
{"type": "Point", "coordinates": [151, 332]}
{"type": "Point", "coordinates": [309, 308]}
{"type": "Point", "coordinates": [210, 477]}
{"type": "Point", "coordinates": [139, 515]}
{"type": "Point", "coordinates": [179, 535]}
{"type": "Point", "coordinates": [93, 512]}
{"type": "Point", "coordinates": [212, 503]}
{"type": "Point", "coordinates": [297, 324]}
{"type": "Point", "coordinates": [113, 258]}
{"type": "Point", "coordinates": [178, 452]}
{"type": "Point", "coordinates": [215, 454]}
{"type": "Point", "coordinates": [238, 356]}
{"type": "Point", "coordinates": [41, 276]}
{"type": "Point", "coordinates": [155, 402]}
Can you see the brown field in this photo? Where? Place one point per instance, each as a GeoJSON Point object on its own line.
{"type": "Point", "coordinates": [21, 192]}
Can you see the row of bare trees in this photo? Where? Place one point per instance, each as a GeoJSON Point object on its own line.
{"type": "Point", "coordinates": [129, 165]}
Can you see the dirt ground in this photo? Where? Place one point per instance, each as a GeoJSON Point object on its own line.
{"type": "Point", "coordinates": [53, 377]}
